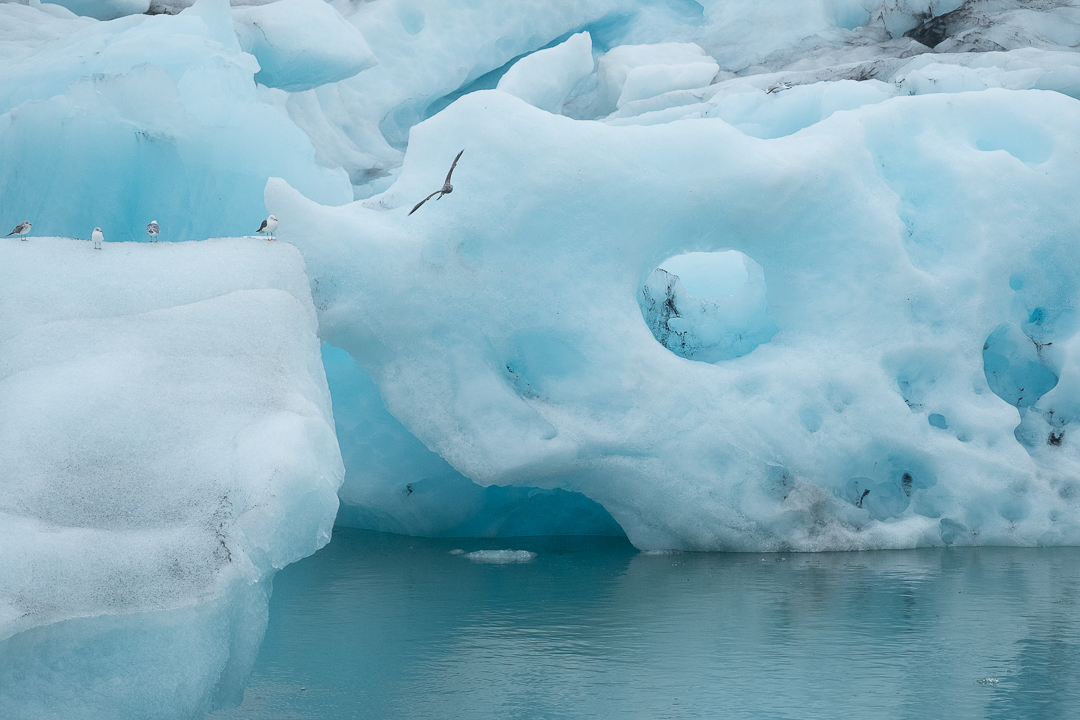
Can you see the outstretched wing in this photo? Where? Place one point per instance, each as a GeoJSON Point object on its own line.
{"type": "Point", "coordinates": [447, 181]}
{"type": "Point", "coordinates": [424, 201]}
{"type": "Point", "coordinates": [261, 227]}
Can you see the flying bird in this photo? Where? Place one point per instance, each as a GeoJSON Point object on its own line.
{"type": "Point", "coordinates": [778, 87]}
{"type": "Point", "coordinates": [22, 229]}
{"type": "Point", "coordinates": [152, 230]}
{"type": "Point", "coordinates": [446, 189]}
{"type": "Point", "coordinates": [269, 227]}
{"type": "Point", "coordinates": [97, 237]}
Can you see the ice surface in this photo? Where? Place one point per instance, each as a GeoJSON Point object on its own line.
{"type": "Point", "coordinates": [636, 72]}
{"type": "Point", "coordinates": [167, 444]}
{"type": "Point", "coordinates": [150, 118]}
{"type": "Point", "coordinates": [889, 239]}
{"type": "Point", "coordinates": [547, 77]}
{"type": "Point", "coordinates": [105, 9]}
{"type": "Point", "coordinates": [301, 44]}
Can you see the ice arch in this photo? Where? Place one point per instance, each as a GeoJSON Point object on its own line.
{"type": "Point", "coordinates": [708, 306]}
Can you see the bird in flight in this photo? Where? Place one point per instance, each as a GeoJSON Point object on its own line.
{"type": "Point", "coordinates": [269, 226]}
{"type": "Point", "coordinates": [152, 230]}
{"type": "Point", "coordinates": [778, 87]}
{"type": "Point", "coordinates": [446, 188]}
{"type": "Point", "coordinates": [21, 229]}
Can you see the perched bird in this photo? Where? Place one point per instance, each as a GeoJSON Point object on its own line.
{"type": "Point", "coordinates": [778, 87]}
{"type": "Point", "coordinates": [269, 226]}
{"type": "Point", "coordinates": [446, 189]}
{"type": "Point", "coordinates": [97, 237]}
{"type": "Point", "coordinates": [22, 229]}
{"type": "Point", "coordinates": [152, 230]}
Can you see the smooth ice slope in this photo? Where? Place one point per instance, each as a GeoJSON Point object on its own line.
{"type": "Point", "coordinates": [167, 444]}
{"type": "Point", "coordinates": [301, 44]}
{"type": "Point", "coordinates": [501, 323]}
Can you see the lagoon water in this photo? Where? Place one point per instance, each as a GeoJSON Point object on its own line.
{"type": "Point", "coordinates": [389, 627]}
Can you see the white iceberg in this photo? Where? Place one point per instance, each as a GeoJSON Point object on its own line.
{"type": "Point", "coordinates": [167, 445]}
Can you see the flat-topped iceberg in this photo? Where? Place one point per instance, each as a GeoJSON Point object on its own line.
{"type": "Point", "coordinates": [167, 444]}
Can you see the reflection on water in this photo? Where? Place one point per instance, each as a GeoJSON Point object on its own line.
{"type": "Point", "coordinates": [386, 627]}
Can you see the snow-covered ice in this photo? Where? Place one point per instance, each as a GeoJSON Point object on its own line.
{"type": "Point", "coordinates": [167, 444]}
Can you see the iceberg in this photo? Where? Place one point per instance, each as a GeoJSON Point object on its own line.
{"type": "Point", "coordinates": [167, 445]}
{"type": "Point", "coordinates": [501, 327]}
{"type": "Point", "coordinates": [151, 117]}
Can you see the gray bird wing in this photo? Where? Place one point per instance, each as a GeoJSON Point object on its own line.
{"type": "Point", "coordinates": [424, 201]}
{"type": "Point", "coordinates": [261, 227]}
{"type": "Point", "coordinates": [447, 180]}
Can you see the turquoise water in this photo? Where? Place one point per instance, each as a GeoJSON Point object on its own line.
{"type": "Point", "coordinates": [386, 627]}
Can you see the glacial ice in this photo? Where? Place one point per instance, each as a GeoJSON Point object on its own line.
{"type": "Point", "coordinates": [546, 78]}
{"type": "Point", "coordinates": [892, 240]}
{"type": "Point", "coordinates": [299, 56]}
{"type": "Point", "coordinates": [167, 445]}
{"type": "Point", "coordinates": [151, 117]}
{"type": "Point", "coordinates": [896, 363]}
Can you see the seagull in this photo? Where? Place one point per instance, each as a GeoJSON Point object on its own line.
{"type": "Point", "coordinates": [97, 237]}
{"type": "Point", "coordinates": [152, 230]}
{"type": "Point", "coordinates": [22, 229]}
{"type": "Point", "coordinates": [269, 226]}
{"type": "Point", "coordinates": [446, 189]}
{"type": "Point", "coordinates": [778, 87]}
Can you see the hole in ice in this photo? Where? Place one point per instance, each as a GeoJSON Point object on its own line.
{"type": "Point", "coordinates": [938, 421]}
{"type": "Point", "coordinates": [707, 306]}
{"type": "Point", "coordinates": [1013, 368]}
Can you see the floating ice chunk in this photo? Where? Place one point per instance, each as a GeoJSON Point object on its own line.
{"type": "Point", "coordinates": [168, 445]}
{"type": "Point", "coordinates": [500, 557]}
{"type": "Point", "coordinates": [635, 72]}
{"type": "Point", "coordinates": [513, 349]}
{"type": "Point", "coordinates": [546, 77]}
{"type": "Point", "coordinates": [301, 44]}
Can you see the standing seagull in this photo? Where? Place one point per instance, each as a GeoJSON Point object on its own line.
{"type": "Point", "coordinates": [152, 230]}
{"type": "Point", "coordinates": [97, 237]}
{"type": "Point", "coordinates": [447, 188]}
{"type": "Point", "coordinates": [22, 229]}
{"type": "Point", "coordinates": [269, 226]}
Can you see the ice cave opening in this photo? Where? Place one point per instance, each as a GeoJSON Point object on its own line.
{"type": "Point", "coordinates": [707, 306]}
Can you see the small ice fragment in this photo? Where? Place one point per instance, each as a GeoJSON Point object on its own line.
{"type": "Point", "coordinates": [457, 551]}
{"type": "Point", "coordinates": [988, 681]}
{"type": "Point", "coordinates": [501, 556]}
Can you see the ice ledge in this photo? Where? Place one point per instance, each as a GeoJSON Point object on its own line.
{"type": "Point", "coordinates": [167, 443]}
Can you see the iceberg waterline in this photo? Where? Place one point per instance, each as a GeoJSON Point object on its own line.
{"type": "Point", "coordinates": [897, 370]}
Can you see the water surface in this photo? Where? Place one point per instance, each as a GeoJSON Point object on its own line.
{"type": "Point", "coordinates": [389, 627]}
